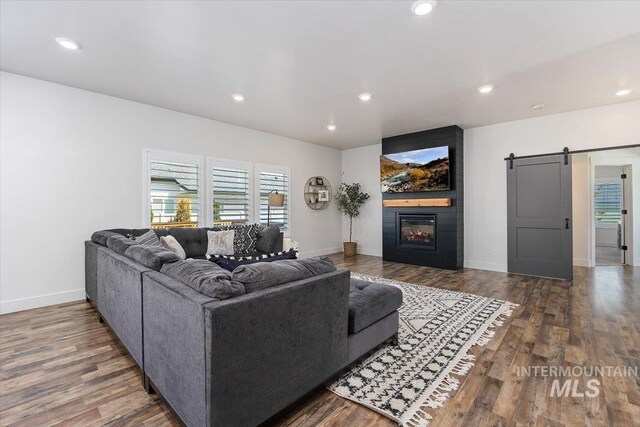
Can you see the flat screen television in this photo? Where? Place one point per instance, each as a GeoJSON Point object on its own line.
{"type": "Point", "coordinates": [415, 171]}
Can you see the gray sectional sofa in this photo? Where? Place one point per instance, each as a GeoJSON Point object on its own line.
{"type": "Point", "coordinates": [233, 348]}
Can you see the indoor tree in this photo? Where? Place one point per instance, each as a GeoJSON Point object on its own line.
{"type": "Point", "coordinates": [350, 198]}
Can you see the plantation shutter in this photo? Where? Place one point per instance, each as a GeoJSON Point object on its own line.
{"type": "Point", "coordinates": [174, 194]}
{"type": "Point", "coordinates": [231, 195]}
{"type": "Point", "coordinates": [608, 202]}
{"type": "Point", "coordinates": [268, 182]}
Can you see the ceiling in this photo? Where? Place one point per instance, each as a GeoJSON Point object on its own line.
{"type": "Point", "coordinates": [301, 65]}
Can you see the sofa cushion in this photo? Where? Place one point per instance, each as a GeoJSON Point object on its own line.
{"type": "Point", "coordinates": [119, 244]}
{"type": "Point", "coordinates": [266, 274]}
{"type": "Point", "coordinates": [193, 240]}
{"type": "Point", "coordinates": [172, 244]}
{"type": "Point", "coordinates": [100, 237]}
{"type": "Point", "coordinates": [267, 238]}
{"type": "Point", "coordinates": [153, 257]}
{"type": "Point", "coordinates": [370, 302]}
{"type": "Point", "coordinates": [232, 262]}
{"type": "Point", "coordinates": [244, 239]}
{"type": "Point", "coordinates": [205, 277]}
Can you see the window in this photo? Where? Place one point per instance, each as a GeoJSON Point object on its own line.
{"type": "Point", "coordinates": [230, 191]}
{"type": "Point", "coordinates": [173, 185]}
{"type": "Point", "coordinates": [273, 179]}
{"type": "Point", "coordinates": [608, 201]}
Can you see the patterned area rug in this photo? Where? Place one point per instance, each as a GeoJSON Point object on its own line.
{"type": "Point", "coordinates": [437, 329]}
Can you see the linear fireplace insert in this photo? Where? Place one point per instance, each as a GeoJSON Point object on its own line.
{"type": "Point", "coordinates": [416, 231]}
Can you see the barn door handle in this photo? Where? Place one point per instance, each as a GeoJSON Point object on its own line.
{"type": "Point", "coordinates": [566, 223]}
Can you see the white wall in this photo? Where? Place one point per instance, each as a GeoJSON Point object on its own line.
{"type": "Point", "coordinates": [484, 168]}
{"type": "Point", "coordinates": [581, 209]}
{"type": "Point", "coordinates": [71, 163]}
{"type": "Point", "coordinates": [362, 165]}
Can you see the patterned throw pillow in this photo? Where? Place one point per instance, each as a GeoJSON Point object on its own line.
{"type": "Point", "coordinates": [245, 237]}
{"type": "Point", "coordinates": [220, 242]}
{"type": "Point", "coordinates": [150, 238]}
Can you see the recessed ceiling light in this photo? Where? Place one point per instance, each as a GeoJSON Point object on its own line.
{"type": "Point", "coordinates": [423, 7]}
{"type": "Point", "coordinates": [623, 92]}
{"type": "Point", "coordinates": [68, 43]}
{"type": "Point", "coordinates": [237, 97]}
{"type": "Point", "coordinates": [364, 97]}
{"type": "Point", "coordinates": [485, 88]}
{"type": "Point", "coordinates": [331, 127]}
{"type": "Point", "coordinates": [537, 107]}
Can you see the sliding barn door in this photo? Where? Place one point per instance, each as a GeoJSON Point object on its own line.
{"type": "Point", "coordinates": [539, 217]}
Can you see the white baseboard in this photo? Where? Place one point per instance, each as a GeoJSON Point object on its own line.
{"type": "Point", "coordinates": [319, 252]}
{"type": "Point", "coordinates": [481, 265]}
{"type": "Point", "coordinates": [370, 253]}
{"type": "Point", "coordinates": [28, 303]}
{"type": "Point", "coordinates": [581, 262]}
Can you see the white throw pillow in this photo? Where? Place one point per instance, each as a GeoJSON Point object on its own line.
{"type": "Point", "coordinates": [173, 245]}
{"type": "Point", "coordinates": [220, 242]}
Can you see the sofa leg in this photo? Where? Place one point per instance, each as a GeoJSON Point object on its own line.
{"type": "Point", "coordinates": [146, 383]}
{"type": "Point", "coordinates": [100, 319]}
{"type": "Point", "coordinates": [394, 339]}
{"type": "Point", "coordinates": [87, 299]}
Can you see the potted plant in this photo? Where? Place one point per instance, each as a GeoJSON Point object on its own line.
{"type": "Point", "coordinates": [349, 199]}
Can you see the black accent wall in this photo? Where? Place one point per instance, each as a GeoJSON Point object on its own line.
{"type": "Point", "coordinates": [449, 251]}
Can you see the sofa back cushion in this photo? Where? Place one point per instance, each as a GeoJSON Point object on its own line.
{"type": "Point", "coordinates": [193, 240]}
{"type": "Point", "coordinates": [153, 257]}
{"type": "Point", "coordinates": [267, 238]}
{"type": "Point", "coordinates": [119, 244]}
{"type": "Point", "coordinates": [205, 277]}
{"type": "Point", "coordinates": [100, 237]}
{"type": "Point", "coordinates": [266, 274]}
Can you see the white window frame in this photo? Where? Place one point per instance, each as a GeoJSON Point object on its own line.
{"type": "Point", "coordinates": [259, 167]}
{"type": "Point", "coordinates": [149, 155]}
{"type": "Point", "coordinates": [234, 164]}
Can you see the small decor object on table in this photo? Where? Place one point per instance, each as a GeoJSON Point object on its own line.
{"type": "Point", "coordinates": [350, 198]}
{"type": "Point", "coordinates": [317, 193]}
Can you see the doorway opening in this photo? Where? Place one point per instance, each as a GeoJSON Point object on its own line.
{"type": "Point", "coordinates": [608, 205]}
{"type": "Point", "coordinates": [606, 208]}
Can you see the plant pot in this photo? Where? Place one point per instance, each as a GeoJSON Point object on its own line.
{"type": "Point", "coordinates": [350, 248]}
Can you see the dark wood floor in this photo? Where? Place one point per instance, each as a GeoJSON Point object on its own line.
{"type": "Point", "coordinates": [59, 366]}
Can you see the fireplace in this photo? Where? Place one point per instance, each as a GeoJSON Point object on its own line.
{"type": "Point", "coordinates": [417, 231]}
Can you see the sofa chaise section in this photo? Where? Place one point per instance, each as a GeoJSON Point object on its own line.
{"type": "Point", "coordinates": [239, 361]}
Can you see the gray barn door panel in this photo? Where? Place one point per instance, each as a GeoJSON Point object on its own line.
{"type": "Point", "coordinates": [539, 217]}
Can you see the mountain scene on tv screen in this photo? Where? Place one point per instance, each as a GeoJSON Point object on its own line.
{"type": "Point", "coordinates": [414, 171]}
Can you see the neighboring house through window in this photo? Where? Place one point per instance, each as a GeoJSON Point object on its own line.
{"type": "Point", "coordinates": [173, 184]}
{"type": "Point", "coordinates": [179, 194]}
